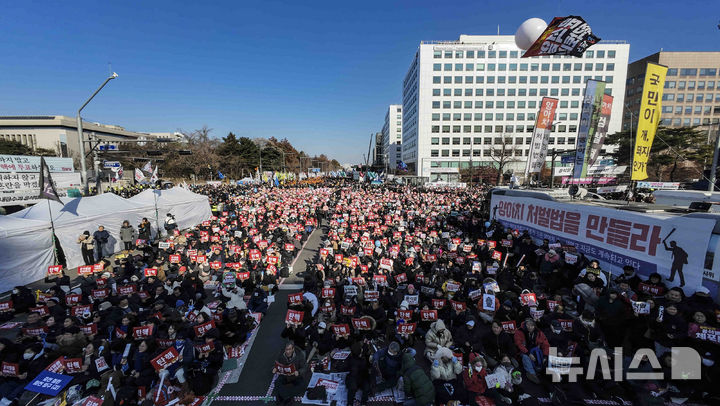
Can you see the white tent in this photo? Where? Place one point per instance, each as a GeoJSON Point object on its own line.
{"type": "Point", "coordinates": [32, 226]}
{"type": "Point", "coordinates": [189, 208]}
{"type": "Point", "coordinates": [25, 251]}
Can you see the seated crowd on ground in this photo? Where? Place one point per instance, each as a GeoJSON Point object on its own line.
{"type": "Point", "coordinates": [412, 290]}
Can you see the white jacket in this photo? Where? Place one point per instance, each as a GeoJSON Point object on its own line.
{"type": "Point", "coordinates": [237, 300]}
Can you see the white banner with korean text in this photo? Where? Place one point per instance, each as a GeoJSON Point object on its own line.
{"type": "Point", "coordinates": [673, 246]}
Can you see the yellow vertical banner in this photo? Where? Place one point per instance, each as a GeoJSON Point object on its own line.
{"type": "Point", "coordinates": [648, 119]}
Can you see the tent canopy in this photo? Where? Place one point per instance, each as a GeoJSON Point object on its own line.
{"type": "Point", "coordinates": [31, 228]}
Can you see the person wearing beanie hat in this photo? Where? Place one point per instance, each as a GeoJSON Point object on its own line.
{"type": "Point", "coordinates": [468, 337]}
{"type": "Point", "coordinates": [387, 363]}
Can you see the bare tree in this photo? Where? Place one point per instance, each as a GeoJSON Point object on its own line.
{"type": "Point", "coordinates": [504, 152]}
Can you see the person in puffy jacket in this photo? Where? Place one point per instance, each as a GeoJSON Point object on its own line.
{"type": "Point", "coordinates": [127, 235]}
{"type": "Point", "coordinates": [533, 347]}
{"type": "Point", "coordinates": [236, 298]}
{"type": "Point", "coordinates": [419, 390]}
{"type": "Point", "coordinates": [437, 337]}
{"type": "Point", "coordinates": [444, 372]}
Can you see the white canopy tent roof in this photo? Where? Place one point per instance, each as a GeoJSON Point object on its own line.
{"type": "Point", "coordinates": [70, 219]}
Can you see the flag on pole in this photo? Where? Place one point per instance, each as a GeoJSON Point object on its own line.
{"type": "Point", "coordinates": [47, 187]}
{"type": "Point", "coordinates": [139, 175]}
{"type": "Point", "coordinates": [154, 177]}
{"type": "Point", "coordinates": [148, 167]}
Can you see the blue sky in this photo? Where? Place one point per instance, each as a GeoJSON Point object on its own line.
{"type": "Point", "coordinates": [320, 73]}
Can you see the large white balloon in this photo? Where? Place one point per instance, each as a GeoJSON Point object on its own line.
{"type": "Point", "coordinates": [528, 32]}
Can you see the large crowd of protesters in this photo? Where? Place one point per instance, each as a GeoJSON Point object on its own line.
{"type": "Point", "coordinates": [412, 290]}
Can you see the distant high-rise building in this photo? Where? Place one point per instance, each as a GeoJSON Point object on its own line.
{"type": "Point", "coordinates": [462, 98]}
{"type": "Point", "coordinates": [692, 90]}
{"type": "Point", "coordinates": [392, 136]}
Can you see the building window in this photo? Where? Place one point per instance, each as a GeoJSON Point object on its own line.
{"type": "Point", "coordinates": [708, 72]}
{"type": "Point", "coordinates": [611, 54]}
{"type": "Point", "coordinates": [437, 67]}
{"type": "Point", "coordinates": [434, 141]}
{"type": "Point", "coordinates": [437, 54]}
{"type": "Point", "coordinates": [436, 79]}
{"type": "Point", "coordinates": [688, 72]}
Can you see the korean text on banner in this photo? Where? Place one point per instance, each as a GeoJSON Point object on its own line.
{"type": "Point", "coordinates": [616, 238]}
{"type": "Point", "coordinates": [648, 119]}
{"type": "Point", "coordinates": [569, 35]}
{"type": "Point", "coordinates": [541, 134]}
{"type": "Point", "coordinates": [594, 120]}
{"type": "Point", "coordinates": [598, 139]}
{"type": "Point", "coordinates": [592, 89]}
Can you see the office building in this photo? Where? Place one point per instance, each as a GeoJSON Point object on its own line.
{"type": "Point", "coordinates": [59, 133]}
{"type": "Point", "coordinates": [462, 98]}
{"type": "Point", "coordinates": [692, 90]}
{"type": "Point", "coordinates": [392, 136]}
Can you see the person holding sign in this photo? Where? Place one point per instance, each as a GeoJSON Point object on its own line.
{"type": "Point", "coordinates": [288, 386]}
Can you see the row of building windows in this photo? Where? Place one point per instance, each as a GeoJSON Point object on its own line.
{"type": "Point", "coordinates": [701, 84]}
{"type": "Point", "coordinates": [498, 104]}
{"type": "Point", "coordinates": [523, 67]}
{"type": "Point", "coordinates": [689, 97]}
{"type": "Point", "coordinates": [498, 129]}
{"type": "Point", "coordinates": [519, 79]}
{"type": "Point", "coordinates": [503, 92]}
{"type": "Point", "coordinates": [692, 71]}
{"type": "Point", "coordinates": [691, 110]}
{"type": "Point", "coordinates": [685, 122]}
{"type": "Point", "coordinates": [434, 153]}
{"type": "Point", "coordinates": [458, 54]}
{"type": "Point", "coordinates": [494, 141]}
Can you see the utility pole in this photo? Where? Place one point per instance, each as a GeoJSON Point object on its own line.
{"type": "Point", "coordinates": [81, 138]}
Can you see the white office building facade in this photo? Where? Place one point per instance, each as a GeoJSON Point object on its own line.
{"type": "Point", "coordinates": [392, 136]}
{"type": "Point", "coordinates": [461, 98]}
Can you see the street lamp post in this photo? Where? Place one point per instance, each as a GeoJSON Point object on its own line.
{"type": "Point", "coordinates": [713, 170]}
{"type": "Point", "coordinates": [81, 140]}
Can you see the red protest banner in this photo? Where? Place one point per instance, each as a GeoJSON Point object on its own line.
{"type": "Point", "coordinates": [165, 359]}
{"type": "Point", "coordinates": [341, 330]}
{"type": "Point", "coordinates": [361, 324]}
{"type": "Point", "coordinates": [10, 368]}
{"type": "Point", "coordinates": [458, 306]}
{"type": "Point", "coordinates": [509, 326]}
{"type": "Point", "coordinates": [6, 306]}
{"type": "Point", "coordinates": [99, 267]}
{"type": "Point", "coordinates": [428, 315]}
{"type": "Point", "coordinates": [328, 293]}
{"type": "Point", "coordinates": [295, 298]}
{"type": "Point", "coordinates": [294, 317]}
{"type": "Point", "coordinates": [73, 299]}
{"type": "Point", "coordinates": [404, 314]}
{"type": "Point", "coordinates": [100, 293]}
{"type": "Point", "coordinates": [79, 310]}
{"type": "Point", "coordinates": [406, 328]}
{"type": "Point", "coordinates": [497, 255]}
{"type": "Point", "coordinates": [380, 279]}
{"type": "Point", "coordinates": [54, 270]}
{"type": "Point", "coordinates": [201, 329]}
{"type": "Point", "coordinates": [372, 295]}
{"type": "Point", "coordinates": [438, 303]}
{"type": "Point", "coordinates": [141, 332]}
{"type": "Point", "coordinates": [150, 272]}
{"type": "Point", "coordinates": [126, 290]}
{"type": "Point", "coordinates": [401, 278]}
{"type": "Point", "coordinates": [72, 365]}
{"type": "Point", "coordinates": [283, 369]}
{"type": "Point", "coordinates": [85, 270]}
{"type": "Point", "coordinates": [175, 259]}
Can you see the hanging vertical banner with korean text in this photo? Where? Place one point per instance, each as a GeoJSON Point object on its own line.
{"type": "Point", "coordinates": [648, 118]}
{"type": "Point", "coordinates": [584, 127]}
{"type": "Point", "coordinates": [598, 138]}
{"type": "Point", "coordinates": [594, 119]}
{"type": "Point", "coordinates": [541, 134]}
{"type": "Point", "coordinates": [569, 35]}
